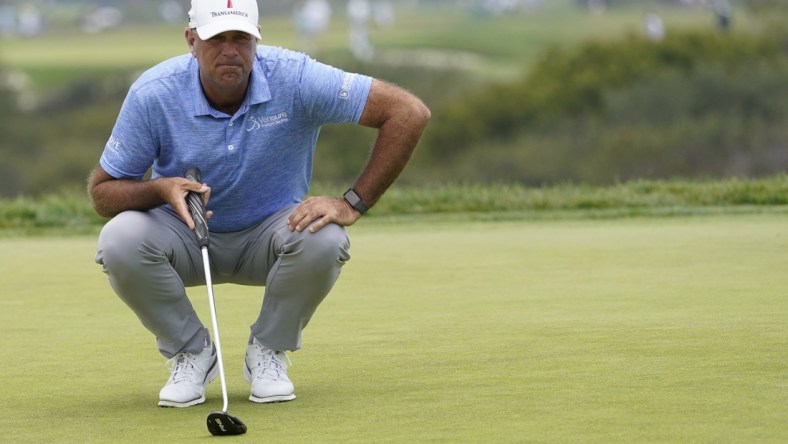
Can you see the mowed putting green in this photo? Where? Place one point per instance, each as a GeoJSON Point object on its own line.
{"type": "Point", "coordinates": [630, 330]}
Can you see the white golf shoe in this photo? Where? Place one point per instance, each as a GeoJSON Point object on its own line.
{"type": "Point", "coordinates": [190, 375]}
{"type": "Point", "coordinates": [266, 370]}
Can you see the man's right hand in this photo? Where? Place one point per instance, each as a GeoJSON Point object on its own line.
{"type": "Point", "coordinates": [174, 190]}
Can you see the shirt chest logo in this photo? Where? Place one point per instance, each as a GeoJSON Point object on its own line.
{"type": "Point", "coordinates": [257, 122]}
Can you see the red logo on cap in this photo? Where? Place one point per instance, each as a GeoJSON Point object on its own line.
{"type": "Point", "coordinates": [229, 4]}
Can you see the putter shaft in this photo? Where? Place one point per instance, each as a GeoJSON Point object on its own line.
{"type": "Point", "coordinates": [215, 323]}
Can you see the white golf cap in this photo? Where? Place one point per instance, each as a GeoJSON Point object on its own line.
{"type": "Point", "coordinates": [211, 17]}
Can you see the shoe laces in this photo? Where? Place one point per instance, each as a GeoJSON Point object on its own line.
{"type": "Point", "coordinates": [270, 364]}
{"type": "Point", "coordinates": [183, 367]}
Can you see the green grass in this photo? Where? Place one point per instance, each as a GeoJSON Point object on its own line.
{"type": "Point", "coordinates": [623, 330]}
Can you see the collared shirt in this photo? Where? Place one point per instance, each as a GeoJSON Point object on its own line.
{"type": "Point", "coordinates": [256, 161]}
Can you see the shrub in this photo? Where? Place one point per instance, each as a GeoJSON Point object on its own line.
{"type": "Point", "coordinates": [697, 104]}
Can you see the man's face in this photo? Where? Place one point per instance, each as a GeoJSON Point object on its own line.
{"type": "Point", "coordinates": [225, 59]}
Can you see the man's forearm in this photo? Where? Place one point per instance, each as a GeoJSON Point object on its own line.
{"type": "Point", "coordinates": [112, 197]}
{"type": "Point", "coordinates": [398, 135]}
{"type": "Point", "coordinates": [390, 154]}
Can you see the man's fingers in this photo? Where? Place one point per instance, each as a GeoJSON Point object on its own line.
{"type": "Point", "coordinates": [182, 209]}
{"type": "Point", "coordinates": [300, 218]}
{"type": "Point", "coordinates": [317, 212]}
{"type": "Point", "coordinates": [179, 190]}
{"type": "Point", "coordinates": [318, 224]}
{"type": "Point", "coordinates": [206, 194]}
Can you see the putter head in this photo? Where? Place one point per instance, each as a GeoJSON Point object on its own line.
{"type": "Point", "coordinates": [221, 423]}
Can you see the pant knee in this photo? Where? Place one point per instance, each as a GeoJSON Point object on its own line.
{"type": "Point", "coordinates": [119, 241]}
{"type": "Point", "coordinates": [328, 247]}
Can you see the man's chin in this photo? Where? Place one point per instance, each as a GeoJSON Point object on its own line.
{"type": "Point", "coordinates": [229, 79]}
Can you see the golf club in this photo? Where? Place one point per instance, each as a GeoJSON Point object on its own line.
{"type": "Point", "coordinates": [219, 422]}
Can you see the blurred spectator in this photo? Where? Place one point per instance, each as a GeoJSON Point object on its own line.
{"type": "Point", "coordinates": [358, 12]}
{"type": "Point", "coordinates": [311, 20]}
{"type": "Point", "coordinates": [655, 29]}
{"type": "Point", "coordinates": [383, 14]}
{"type": "Point", "coordinates": [101, 18]}
{"type": "Point", "coordinates": [31, 22]}
{"type": "Point", "coordinates": [722, 9]}
{"type": "Point", "coordinates": [171, 11]}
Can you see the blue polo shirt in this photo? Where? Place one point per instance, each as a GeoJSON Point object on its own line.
{"type": "Point", "coordinates": [256, 161]}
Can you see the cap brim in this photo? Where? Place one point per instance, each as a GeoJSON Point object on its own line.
{"type": "Point", "coordinates": [217, 27]}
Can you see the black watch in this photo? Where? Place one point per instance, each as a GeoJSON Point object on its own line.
{"type": "Point", "coordinates": [355, 201]}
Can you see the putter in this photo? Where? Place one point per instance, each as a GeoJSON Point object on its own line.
{"type": "Point", "coordinates": [219, 422]}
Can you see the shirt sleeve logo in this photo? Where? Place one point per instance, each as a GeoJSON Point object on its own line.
{"type": "Point", "coordinates": [113, 144]}
{"type": "Point", "coordinates": [347, 86]}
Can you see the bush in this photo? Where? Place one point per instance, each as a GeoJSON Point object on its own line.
{"type": "Point", "coordinates": [695, 105]}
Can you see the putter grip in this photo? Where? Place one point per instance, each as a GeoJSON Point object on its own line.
{"type": "Point", "coordinates": [196, 207]}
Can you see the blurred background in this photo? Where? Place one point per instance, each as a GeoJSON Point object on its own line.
{"type": "Point", "coordinates": [533, 92]}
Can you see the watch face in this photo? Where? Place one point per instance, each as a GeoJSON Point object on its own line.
{"type": "Point", "coordinates": [355, 201]}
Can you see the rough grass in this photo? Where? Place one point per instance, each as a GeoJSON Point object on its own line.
{"type": "Point", "coordinates": [638, 194]}
{"type": "Point", "coordinates": [624, 330]}
{"type": "Point", "coordinates": [70, 212]}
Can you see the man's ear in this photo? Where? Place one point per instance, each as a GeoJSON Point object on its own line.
{"type": "Point", "coordinates": [188, 34]}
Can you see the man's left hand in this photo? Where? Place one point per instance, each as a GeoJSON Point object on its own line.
{"type": "Point", "coordinates": [316, 212]}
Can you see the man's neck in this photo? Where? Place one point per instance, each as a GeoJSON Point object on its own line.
{"type": "Point", "coordinates": [228, 108]}
{"type": "Point", "coordinates": [226, 101]}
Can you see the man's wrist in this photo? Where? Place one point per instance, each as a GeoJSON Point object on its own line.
{"type": "Point", "coordinates": [355, 201]}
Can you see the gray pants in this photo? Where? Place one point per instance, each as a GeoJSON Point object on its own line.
{"type": "Point", "coordinates": [151, 256]}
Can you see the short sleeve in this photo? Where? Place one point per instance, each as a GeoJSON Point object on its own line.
{"type": "Point", "coordinates": [130, 150]}
{"type": "Point", "coordinates": [331, 95]}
